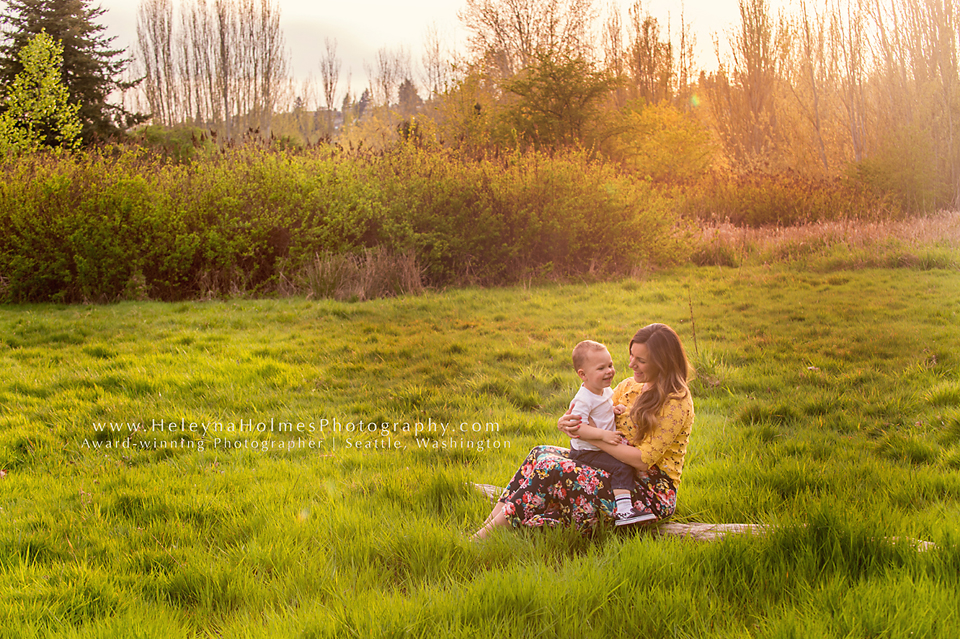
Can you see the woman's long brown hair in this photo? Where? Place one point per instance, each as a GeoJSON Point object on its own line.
{"type": "Point", "coordinates": [667, 355]}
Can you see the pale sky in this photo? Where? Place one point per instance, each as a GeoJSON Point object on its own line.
{"type": "Point", "coordinates": [362, 27]}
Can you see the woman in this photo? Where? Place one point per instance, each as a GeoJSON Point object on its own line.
{"type": "Point", "coordinates": [550, 489]}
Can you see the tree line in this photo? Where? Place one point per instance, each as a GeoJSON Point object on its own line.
{"type": "Point", "coordinates": [222, 65]}
{"type": "Point", "coordinates": [831, 88]}
{"type": "Point", "coordinates": [865, 90]}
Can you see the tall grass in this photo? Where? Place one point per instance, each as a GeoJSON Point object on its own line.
{"type": "Point", "coordinates": [923, 243]}
{"type": "Point", "coordinates": [825, 408]}
{"type": "Point", "coordinates": [370, 275]}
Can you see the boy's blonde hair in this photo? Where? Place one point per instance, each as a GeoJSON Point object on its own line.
{"type": "Point", "coordinates": [582, 350]}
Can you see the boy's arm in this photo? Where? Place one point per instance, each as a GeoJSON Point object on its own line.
{"type": "Point", "coordinates": [588, 430]}
{"type": "Point", "coordinates": [593, 434]}
{"type": "Point", "coordinates": [619, 449]}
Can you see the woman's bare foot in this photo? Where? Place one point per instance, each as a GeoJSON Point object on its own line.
{"type": "Point", "coordinates": [495, 520]}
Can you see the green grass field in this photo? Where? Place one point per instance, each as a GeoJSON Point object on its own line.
{"type": "Point", "coordinates": [253, 500]}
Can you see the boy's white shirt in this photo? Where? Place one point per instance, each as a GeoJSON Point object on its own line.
{"type": "Point", "coordinates": [588, 404]}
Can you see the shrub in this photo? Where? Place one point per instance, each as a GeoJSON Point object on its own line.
{"type": "Point", "coordinates": [758, 199]}
{"type": "Point", "coordinates": [179, 143]}
{"type": "Point", "coordinates": [902, 168]}
{"type": "Point", "coordinates": [494, 221]}
{"type": "Point", "coordinates": [124, 222]}
{"type": "Point", "coordinates": [84, 227]}
{"type": "Point", "coordinates": [661, 143]}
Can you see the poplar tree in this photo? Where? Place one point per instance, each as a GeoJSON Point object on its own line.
{"type": "Point", "coordinates": [37, 109]}
{"type": "Point", "coordinates": [91, 69]}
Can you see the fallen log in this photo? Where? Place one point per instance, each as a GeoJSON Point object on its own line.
{"type": "Point", "coordinates": [702, 531]}
{"type": "Point", "coordinates": [705, 532]}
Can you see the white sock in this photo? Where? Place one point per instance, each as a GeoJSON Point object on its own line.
{"type": "Point", "coordinates": [624, 504]}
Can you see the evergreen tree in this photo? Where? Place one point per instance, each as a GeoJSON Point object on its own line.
{"type": "Point", "coordinates": [91, 67]}
{"type": "Point", "coordinates": [365, 99]}
{"type": "Point", "coordinates": [409, 101]}
{"type": "Point", "coordinates": [37, 111]}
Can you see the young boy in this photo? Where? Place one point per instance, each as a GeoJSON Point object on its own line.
{"type": "Point", "coordinates": [595, 368]}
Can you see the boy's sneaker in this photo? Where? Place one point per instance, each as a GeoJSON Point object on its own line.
{"type": "Point", "coordinates": [634, 516]}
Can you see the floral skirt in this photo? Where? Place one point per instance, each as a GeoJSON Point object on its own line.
{"type": "Point", "coordinates": [550, 489]}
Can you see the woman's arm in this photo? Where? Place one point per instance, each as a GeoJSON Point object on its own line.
{"type": "Point", "coordinates": [570, 424]}
{"type": "Point", "coordinates": [626, 453]}
{"type": "Point", "coordinates": [673, 424]}
{"type": "Point", "coordinates": [595, 435]}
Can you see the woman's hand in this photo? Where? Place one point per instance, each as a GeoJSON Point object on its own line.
{"type": "Point", "coordinates": [569, 423]}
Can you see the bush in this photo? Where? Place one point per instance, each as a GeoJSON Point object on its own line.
{"type": "Point", "coordinates": [180, 143]}
{"type": "Point", "coordinates": [661, 143]}
{"type": "Point", "coordinates": [903, 169]}
{"type": "Point", "coordinates": [89, 227]}
{"type": "Point", "coordinates": [527, 215]}
{"type": "Point", "coordinates": [123, 222]}
{"type": "Point", "coordinates": [758, 199]}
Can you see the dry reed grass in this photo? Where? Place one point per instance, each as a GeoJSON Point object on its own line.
{"type": "Point", "coordinates": [921, 241]}
{"type": "Point", "coordinates": [369, 275]}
